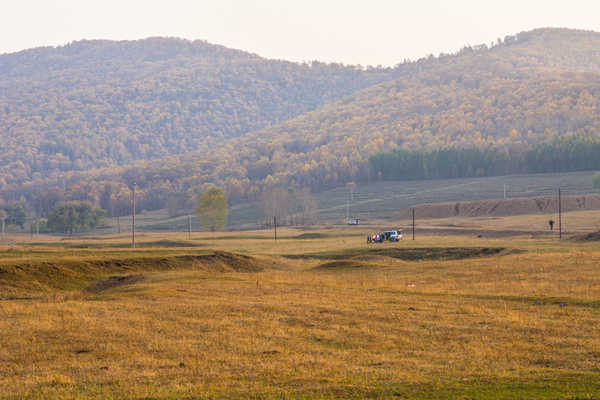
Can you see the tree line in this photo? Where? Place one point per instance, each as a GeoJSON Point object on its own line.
{"type": "Point", "coordinates": [211, 206]}
{"type": "Point", "coordinates": [558, 155]}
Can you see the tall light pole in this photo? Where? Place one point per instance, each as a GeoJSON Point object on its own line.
{"type": "Point", "coordinates": [133, 218]}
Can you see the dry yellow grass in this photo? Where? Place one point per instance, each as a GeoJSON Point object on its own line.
{"type": "Point", "coordinates": [521, 325]}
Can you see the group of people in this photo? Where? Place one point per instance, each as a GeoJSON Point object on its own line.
{"type": "Point", "coordinates": [387, 236]}
{"type": "Point", "coordinates": [375, 238]}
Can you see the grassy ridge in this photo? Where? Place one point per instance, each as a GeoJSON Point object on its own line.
{"type": "Point", "coordinates": [51, 271]}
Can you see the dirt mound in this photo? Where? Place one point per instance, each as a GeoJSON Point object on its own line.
{"type": "Point", "coordinates": [588, 237]}
{"type": "Point", "coordinates": [218, 261]}
{"type": "Point", "coordinates": [343, 265]}
{"type": "Point", "coordinates": [113, 282]}
{"type": "Point", "coordinates": [504, 207]}
{"type": "Point", "coordinates": [74, 273]}
{"type": "Point", "coordinates": [439, 253]}
{"type": "Point", "coordinates": [407, 254]}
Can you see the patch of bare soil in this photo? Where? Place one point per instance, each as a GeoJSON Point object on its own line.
{"type": "Point", "coordinates": [504, 207]}
{"type": "Point", "coordinates": [113, 282]}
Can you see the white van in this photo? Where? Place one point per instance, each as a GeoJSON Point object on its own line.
{"type": "Point", "coordinates": [393, 236]}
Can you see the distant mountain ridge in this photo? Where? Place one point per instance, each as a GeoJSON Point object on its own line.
{"type": "Point", "coordinates": [101, 103]}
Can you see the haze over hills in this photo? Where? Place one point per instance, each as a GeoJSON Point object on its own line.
{"type": "Point", "coordinates": [277, 123]}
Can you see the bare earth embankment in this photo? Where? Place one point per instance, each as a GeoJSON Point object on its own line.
{"type": "Point", "coordinates": [505, 207]}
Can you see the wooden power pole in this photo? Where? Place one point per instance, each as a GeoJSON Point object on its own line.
{"type": "Point", "coordinates": [275, 225]}
{"type": "Point", "coordinates": [559, 215]}
{"type": "Point", "coordinates": [189, 227]}
{"type": "Point", "coordinates": [133, 219]}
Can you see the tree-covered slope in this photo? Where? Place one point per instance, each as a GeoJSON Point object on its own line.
{"type": "Point", "coordinates": [510, 96]}
{"type": "Point", "coordinates": [529, 88]}
{"type": "Point", "coordinates": [332, 146]}
{"type": "Point", "coordinates": [95, 104]}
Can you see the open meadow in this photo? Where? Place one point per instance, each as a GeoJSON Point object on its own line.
{"type": "Point", "coordinates": [317, 314]}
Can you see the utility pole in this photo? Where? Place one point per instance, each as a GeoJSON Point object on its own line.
{"type": "Point", "coordinates": [133, 218]}
{"type": "Point", "coordinates": [3, 217]}
{"type": "Point", "coordinates": [559, 216]}
{"type": "Point", "coordinates": [275, 225]}
{"type": "Point", "coordinates": [505, 190]}
{"type": "Point", "coordinates": [189, 227]}
{"type": "Point", "coordinates": [413, 224]}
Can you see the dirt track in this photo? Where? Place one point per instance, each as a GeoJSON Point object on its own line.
{"type": "Point", "coordinates": [504, 207]}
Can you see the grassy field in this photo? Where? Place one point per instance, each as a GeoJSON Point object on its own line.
{"type": "Point", "coordinates": [384, 200]}
{"type": "Point", "coordinates": [316, 314]}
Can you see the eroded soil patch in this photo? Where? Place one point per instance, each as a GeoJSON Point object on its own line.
{"type": "Point", "coordinates": [113, 282]}
{"type": "Point", "coordinates": [411, 254]}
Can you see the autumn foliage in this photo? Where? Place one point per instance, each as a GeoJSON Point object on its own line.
{"type": "Point", "coordinates": [176, 117]}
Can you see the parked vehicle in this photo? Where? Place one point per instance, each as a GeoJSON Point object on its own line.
{"type": "Point", "coordinates": [387, 236]}
{"type": "Point", "coordinates": [392, 236]}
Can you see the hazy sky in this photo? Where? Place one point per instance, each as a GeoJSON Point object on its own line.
{"type": "Point", "coordinates": [367, 32]}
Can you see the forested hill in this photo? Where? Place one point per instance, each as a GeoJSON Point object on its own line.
{"type": "Point", "coordinates": [95, 104]}
{"type": "Point", "coordinates": [525, 89]}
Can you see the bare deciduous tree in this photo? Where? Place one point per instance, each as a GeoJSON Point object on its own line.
{"type": "Point", "coordinates": [276, 203]}
{"type": "Point", "coordinates": [306, 206]}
